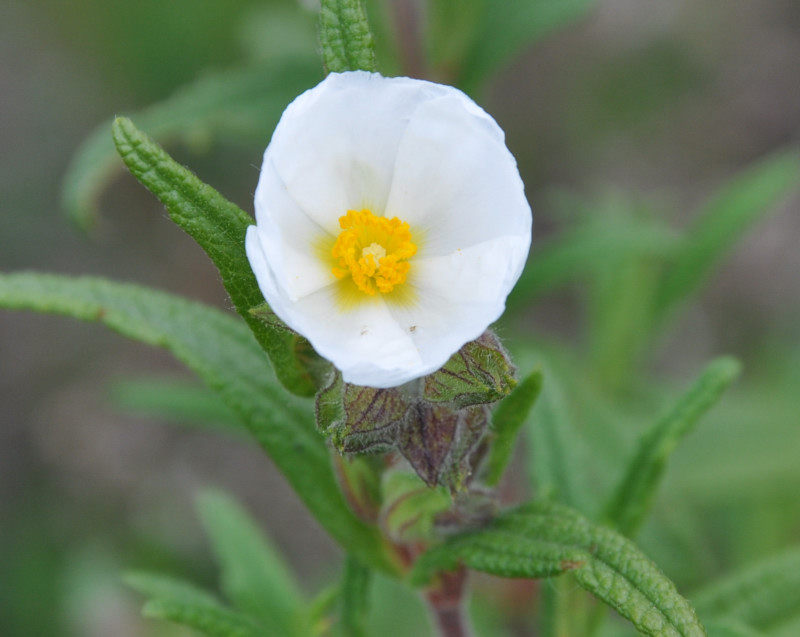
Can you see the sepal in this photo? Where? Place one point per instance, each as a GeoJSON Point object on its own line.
{"type": "Point", "coordinates": [480, 373]}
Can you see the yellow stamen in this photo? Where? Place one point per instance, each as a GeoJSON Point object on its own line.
{"type": "Point", "coordinates": [373, 250]}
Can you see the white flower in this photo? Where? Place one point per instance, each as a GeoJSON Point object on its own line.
{"type": "Point", "coordinates": [391, 224]}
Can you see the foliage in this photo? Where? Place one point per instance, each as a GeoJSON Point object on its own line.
{"type": "Point", "coordinates": [423, 507]}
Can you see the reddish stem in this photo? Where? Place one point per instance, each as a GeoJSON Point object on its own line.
{"type": "Point", "coordinates": [445, 602]}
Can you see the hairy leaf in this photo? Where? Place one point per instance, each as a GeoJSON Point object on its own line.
{"type": "Point", "coordinates": [254, 576]}
{"type": "Point", "coordinates": [633, 496]}
{"type": "Point", "coordinates": [345, 37]}
{"type": "Point", "coordinates": [723, 221]}
{"type": "Point", "coordinates": [763, 595]}
{"type": "Point", "coordinates": [243, 105]}
{"type": "Point", "coordinates": [507, 419]}
{"type": "Point", "coordinates": [221, 350]}
{"type": "Point", "coordinates": [542, 540]}
{"type": "Point", "coordinates": [219, 227]}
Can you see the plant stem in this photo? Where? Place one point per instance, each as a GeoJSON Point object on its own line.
{"type": "Point", "coordinates": [445, 602]}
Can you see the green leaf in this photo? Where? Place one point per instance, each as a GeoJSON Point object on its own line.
{"type": "Point", "coordinates": [479, 373]}
{"type": "Point", "coordinates": [345, 37]}
{"type": "Point", "coordinates": [505, 28]}
{"type": "Point", "coordinates": [254, 576]}
{"type": "Point", "coordinates": [240, 105]}
{"type": "Point", "coordinates": [724, 220]}
{"type": "Point", "coordinates": [183, 603]}
{"type": "Point", "coordinates": [559, 458]}
{"type": "Point", "coordinates": [180, 401]}
{"type": "Point", "coordinates": [633, 496]}
{"type": "Point", "coordinates": [507, 419]}
{"type": "Point", "coordinates": [763, 595]}
{"type": "Point", "coordinates": [353, 598]}
{"type": "Point", "coordinates": [207, 619]}
{"type": "Point", "coordinates": [219, 227]}
{"type": "Point", "coordinates": [542, 540]}
{"type": "Point", "coordinates": [157, 586]}
{"type": "Point", "coordinates": [221, 350]}
{"type": "Point", "coordinates": [578, 251]}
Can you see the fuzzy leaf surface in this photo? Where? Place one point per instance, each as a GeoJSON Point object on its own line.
{"type": "Point", "coordinates": [254, 575]}
{"type": "Point", "coordinates": [632, 498]}
{"type": "Point", "coordinates": [763, 595]}
{"type": "Point", "coordinates": [222, 352]}
{"type": "Point", "coordinates": [543, 540]}
{"type": "Point", "coordinates": [241, 105]}
{"type": "Point", "coordinates": [479, 373]}
{"type": "Point", "coordinates": [219, 227]}
{"type": "Point", "coordinates": [345, 37]}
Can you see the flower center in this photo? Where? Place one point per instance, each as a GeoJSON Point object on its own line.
{"type": "Point", "coordinates": [373, 250]}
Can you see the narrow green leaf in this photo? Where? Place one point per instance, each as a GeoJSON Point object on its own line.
{"type": "Point", "coordinates": [507, 418]}
{"type": "Point", "coordinates": [219, 227]}
{"type": "Point", "coordinates": [241, 105]}
{"type": "Point", "coordinates": [633, 496]}
{"type": "Point", "coordinates": [345, 37]}
{"type": "Point", "coordinates": [543, 540]}
{"type": "Point", "coordinates": [763, 595]}
{"type": "Point", "coordinates": [578, 251]}
{"type": "Point", "coordinates": [505, 28]}
{"type": "Point", "coordinates": [183, 603]}
{"type": "Point", "coordinates": [157, 586]}
{"type": "Point", "coordinates": [179, 401]}
{"type": "Point", "coordinates": [221, 350]}
{"type": "Point", "coordinates": [254, 576]}
{"type": "Point", "coordinates": [207, 619]}
{"type": "Point", "coordinates": [559, 458]}
{"type": "Point", "coordinates": [353, 598]}
{"type": "Point", "coordinates": [724, 220]}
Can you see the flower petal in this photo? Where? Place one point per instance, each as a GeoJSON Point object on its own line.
{"type": "Point", "coordinates": [455, 179]}
{"type": "Point", "coordinates": [334, 148]}
{"type": "Point", "coordinates": [459, 295]}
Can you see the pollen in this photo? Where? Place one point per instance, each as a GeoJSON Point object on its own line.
{"type": "Point", "coordinates": [373, 250]}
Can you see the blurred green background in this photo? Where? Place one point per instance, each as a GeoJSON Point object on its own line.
{"type": "Point", "coordinates": [642, 105]}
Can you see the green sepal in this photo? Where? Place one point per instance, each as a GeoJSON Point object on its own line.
{"type": "Point", "coordinates": [410, 507]}
{"type": "Point", "coordinates": [481, 372]}
{"type": "Point", "coordinates": [358, 419]}
{"type": "Point", "coordinates": [437, 440]}
{"type": "Point", "coordinates": [345, 37]}
{"type": "Point", "coordinates": [219, 227]}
